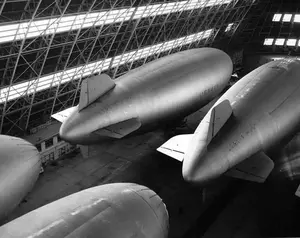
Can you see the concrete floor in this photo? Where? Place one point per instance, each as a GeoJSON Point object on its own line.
{"type": "Point", "coordinates": [227, 208]}
{"type": "Point", "coordinates": [259, 210]}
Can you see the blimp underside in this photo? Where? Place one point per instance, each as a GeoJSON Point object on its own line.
{"type": "Point", "coordinates": [182, 115]}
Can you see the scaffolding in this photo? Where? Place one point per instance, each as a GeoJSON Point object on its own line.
{"type": "Point", "coordinates": [46, 50]}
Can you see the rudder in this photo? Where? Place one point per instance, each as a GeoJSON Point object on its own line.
{"type": "Point", "coordinates": [94, 87]}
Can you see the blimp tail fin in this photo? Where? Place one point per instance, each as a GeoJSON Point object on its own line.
{"type": "Point", "coordinates": [256, 168]}
{"type": "Point", "coordinates": [120, 129]}
{"type": "Point", "coordinates": [214, 120]}
{"type": "Point", "coordinates": [63, 115]}
{"type": "Point", "coordinates": [176, 146]}
{"type": "Point", "coordinates": [94, 87]}
{"type": "Point", "coordinates": [297, 193]}
{"type": "Point", "coordinates": [219, 115]}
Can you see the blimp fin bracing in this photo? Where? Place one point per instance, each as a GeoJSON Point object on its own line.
{"type": "Point", "coordinates": [94, 87]}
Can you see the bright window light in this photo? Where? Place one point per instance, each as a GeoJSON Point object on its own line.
{"type": "Point", "coordinates": [287, 17]}
{"type": "Point", "coordinates": [166, 8]}
{"type": "Point", "coordinates": [26, 88]}
{"type": "Point", "coordinates": [297, 18]}
{"type": "Point", "coordinates": [291, 42]}
{"type": "Point", "coordinates": [279, 41]}
{"type": "Point", "coordinates": [269, 41]}
{"type": "Point", "coordinates": [38, 28]}
{"type": "Point", "coordinates": [229, 27]}
{"type": "Point", "coordinates": [155, 49]}
{"type": "Point", "coordinates": [277, 17]}
{"type": "Point", "coordinates": [276, 58]}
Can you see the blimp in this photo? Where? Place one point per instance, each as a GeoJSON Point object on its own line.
{"type": "Point", "coordinates": [257, 114]}
{"type": "Point", "coordinates": [145, 98]}
{"type": "Point", "coordinates": [109, 211]}
{"type": "Point", "coordinates": [19, 170]}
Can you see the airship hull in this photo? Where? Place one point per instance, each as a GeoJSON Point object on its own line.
{"type": "Point", "coordinates": [265, 112]}
{"type": "Point", "coordinates": [19, 170]}
{"type": "Point", "coordinates": [108, 211]}
{"type": "Point", "coordinates": [169, 88]}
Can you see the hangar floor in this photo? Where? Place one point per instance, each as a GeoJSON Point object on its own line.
{"type": "Point", "coordinates": [227, 208]}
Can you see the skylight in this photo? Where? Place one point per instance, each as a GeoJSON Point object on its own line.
{"type": "Point", "coordinates": [291, 42]}
{"type": "Point", "coordinates": [277, 17]}
{"type": "Point", "coordinates": [36, 85]}
{"type": "Point", "coordinates": [13, 32]}
{"type": "Point", "coordinates": [287, 18]}
{"type": "Point", "coordinates": [297, 18]}
{"type": "Point", "coordinates": [269, 41]}
{"type": "Point", "coordinates": [279, 41]}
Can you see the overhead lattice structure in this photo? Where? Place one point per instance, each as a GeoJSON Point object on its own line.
{"type": "Point", "coordinates": [48, 47]}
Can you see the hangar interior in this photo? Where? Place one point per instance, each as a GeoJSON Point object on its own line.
{"type": "Point", "coordinates": [49, 47]}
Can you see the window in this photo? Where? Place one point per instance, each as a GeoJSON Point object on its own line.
{"type": "Point", "coordinates": [277, 17]}
{"type": "Point", "coordinates": [42, 27]}
{"type": "Point", "coordinates": [287, 17]}
{"type": "Point", "coordinates": [26, 88]}
{"type": "Point", "coordinates": [297, 18]}
{"type": "Point", "coordinates": [39, 147]}
{"type": "Point", "coordinates": [279, 41]}
{"type": "Point", "coordinates": [62, 151]}
{"type": "Point", "coordinates": [49, 143]}
{"type": "Point", "coordinates": [58, 138]}
{"type": "Point", "coordinates": [268, 41]}
{"type": "Point", "coordinates": [291, 42]}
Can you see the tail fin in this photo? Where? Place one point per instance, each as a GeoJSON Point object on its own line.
{"type": "Point", "coordinates": [63, 115]}
{"type": "Point", "coordinates": [256, 168]}
{"type": "Point", "coordinates": [297, 193]}
{"type": "Point", "coordinates": [207, 129]}
{"type": "Point", "coordinates": [94, 87]}
{"type": "Point", "coordinates": [176, 146]}
{"type": "Point", "coordinates": [214, 120]}
{"type": "Point", "coordinates": [120, 129]}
